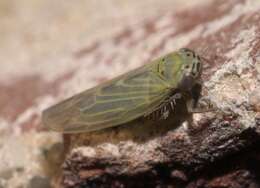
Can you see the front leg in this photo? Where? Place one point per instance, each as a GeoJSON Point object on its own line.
{"type": "Point", "coordinates": [198, 104]}
{"type": "Point", "coordinates": [201, 105]}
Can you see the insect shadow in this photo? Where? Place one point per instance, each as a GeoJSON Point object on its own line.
{"type": "Point", "coordinates": [140, 130]}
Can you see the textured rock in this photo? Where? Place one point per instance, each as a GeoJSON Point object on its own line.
{"type": "Point", "coordinates": [218, 152]}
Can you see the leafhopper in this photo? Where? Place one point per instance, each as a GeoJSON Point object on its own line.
{"type": "Point", "coordinates": [143, 92]}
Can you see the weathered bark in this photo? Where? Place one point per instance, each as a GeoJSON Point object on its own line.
{"type": "Point", "coordinates": [222, 149]}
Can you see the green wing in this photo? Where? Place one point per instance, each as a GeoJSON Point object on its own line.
{"type": "Point", "coordinates": [115, 102]}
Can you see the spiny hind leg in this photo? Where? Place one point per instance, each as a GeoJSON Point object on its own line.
{"type": "Point", "coordinates": [163, 110]}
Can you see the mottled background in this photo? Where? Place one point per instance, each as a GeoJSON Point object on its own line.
{"type": "Point", "coordinates": [42, 43]}
{"type": "Point", "coordinates": [50, 50]}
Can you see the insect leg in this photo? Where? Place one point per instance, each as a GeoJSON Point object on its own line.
{"type": "Point", "coordinates": [172, 100]}
{"type": "Point", "coordinates": [175, 96]}
{"type": "Point", "coordinates": [172, 105]}
{"type": "Point", "coordinates": [202, 105]}
{"type": "Point", "coordinates": [161, 111]}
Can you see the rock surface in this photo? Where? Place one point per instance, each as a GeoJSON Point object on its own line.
{"type": "Point", "coordinates": [222, 152]}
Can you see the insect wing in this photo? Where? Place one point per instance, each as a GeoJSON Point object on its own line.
{"type": "Point", "coordinates": [113, 103]}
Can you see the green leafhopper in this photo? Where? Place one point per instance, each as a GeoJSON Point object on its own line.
{"type": "Point", "coordinates": [150, 89]}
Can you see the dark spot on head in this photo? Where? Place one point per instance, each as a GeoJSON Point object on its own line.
{"type": "Point", "coordinates": [187, 66]}
{"type": "Point", "coordinates": [193, 66]}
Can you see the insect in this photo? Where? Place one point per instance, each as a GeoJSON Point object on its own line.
{"type": "Point", "coordinates": [148, 90]}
